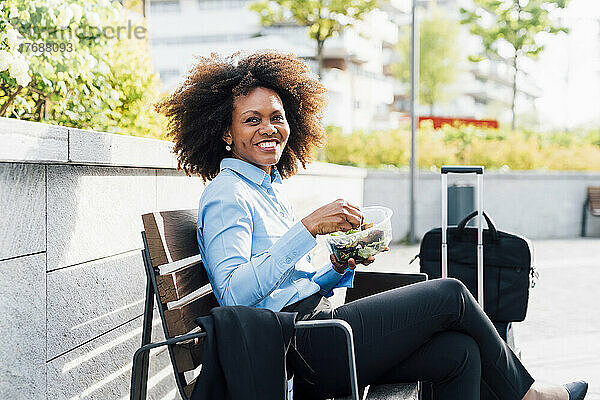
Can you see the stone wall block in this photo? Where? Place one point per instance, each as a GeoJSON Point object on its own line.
{"type": "Point", "coordinates": [95, 212]}
{"type": "Point", "coordinates": [177, 191]}
{"type": "Point", "coordinates": [23, 327]}
{"type": "Point", "coordinates": [101, 368]}
{"type": "Point", "coordinates": [32, 141]}
{"type": "Point", "coordinates": [89, 299]}
{"type": "Point", "coordinates": [537, 205]}
{"type": "Point", "coordinates": [90, 147]}
{"type": "Point", "coordinates": [22, 209]}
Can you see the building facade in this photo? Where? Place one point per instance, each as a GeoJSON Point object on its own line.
{"type": "Point", "coordinates": [363, 94]}
{"type": "Point", "coordinates": [360, 94]}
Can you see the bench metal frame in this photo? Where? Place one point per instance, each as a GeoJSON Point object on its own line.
{"type": "Point", "coordinates": [141, 358]}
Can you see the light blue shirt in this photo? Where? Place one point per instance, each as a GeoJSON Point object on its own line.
{"type": "Point", "coordinates": [253, 249]}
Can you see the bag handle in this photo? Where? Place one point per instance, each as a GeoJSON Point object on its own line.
{"type": "Point", "coordinates": [490, 224]}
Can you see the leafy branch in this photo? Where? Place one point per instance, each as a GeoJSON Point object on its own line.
{"type": "Point", "coordinates": [513, 24]}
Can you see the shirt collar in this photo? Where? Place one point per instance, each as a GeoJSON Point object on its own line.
{"type": "Point", "coordinates": [250, 171]}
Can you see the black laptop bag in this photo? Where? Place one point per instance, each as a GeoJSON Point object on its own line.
{"type": "Point", "coordinates": [507, 261]}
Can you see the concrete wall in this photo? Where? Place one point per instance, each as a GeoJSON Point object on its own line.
{"type": "Point", "coordinates": [71, 273]}
{"type": "Point", "coordinates": [538, 205]}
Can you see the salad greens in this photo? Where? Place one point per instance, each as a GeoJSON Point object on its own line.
{"type": "Point", "coordinates": [348, 232]}
{"type": "Point", "coordinates": [358, 247]}
{"type": "Point", "coordinates": [363, 227]}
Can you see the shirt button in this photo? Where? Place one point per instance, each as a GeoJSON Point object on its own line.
{"type": "Point", "coordinates": [282, 213]}
{"type": "Point", "coordinates": [288, 260]}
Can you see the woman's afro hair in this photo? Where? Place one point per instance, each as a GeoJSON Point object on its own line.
{"type": "Point", "coordinates": [200, 110]}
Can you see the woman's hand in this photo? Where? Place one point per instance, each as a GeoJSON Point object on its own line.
{"type": "Point", "coordinates": [335, 216]}
{"type": "Point", "coordinates": [340, 268]}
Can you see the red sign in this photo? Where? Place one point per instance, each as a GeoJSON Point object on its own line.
{"type": "Point", "coordinates": [439, 121]}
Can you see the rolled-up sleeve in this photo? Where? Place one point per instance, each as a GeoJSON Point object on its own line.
{"type": "Point", "coordinates": [225, 230]}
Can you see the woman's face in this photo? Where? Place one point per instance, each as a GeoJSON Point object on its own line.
{"type": "Point", "coordinates": [259, 130]}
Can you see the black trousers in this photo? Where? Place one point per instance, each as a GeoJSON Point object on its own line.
{"type": "Point", "coordinates": [431, 331]}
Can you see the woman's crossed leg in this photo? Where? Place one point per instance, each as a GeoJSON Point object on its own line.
{"type": "Point", "coordinates": [432, 331]}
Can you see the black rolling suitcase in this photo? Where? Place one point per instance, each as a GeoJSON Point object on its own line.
{"type": "Point", "coordinates": [458, 251]}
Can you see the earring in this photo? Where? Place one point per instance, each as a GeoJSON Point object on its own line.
{"type": "Point", "coordinates": [228, 147]}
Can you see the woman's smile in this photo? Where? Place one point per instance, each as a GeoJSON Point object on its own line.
{"type": "Point", "coordinates": [269, 145]}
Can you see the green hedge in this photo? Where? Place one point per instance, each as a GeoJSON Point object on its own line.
{"type": "Point", "coordinates": [456, 145]}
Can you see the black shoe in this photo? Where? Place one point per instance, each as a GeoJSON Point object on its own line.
{"type": "Point", "coordinates": [577, 390]}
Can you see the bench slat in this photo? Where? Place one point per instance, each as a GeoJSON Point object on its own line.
{"type": "Point", "coordinates": [171, 235]}
{"type": "Point", "coordinates": [180, 319]}
{"type": "Point", "coordinates": [179, 283]}
{"type": "Point", "coordinates": [188, 356]}
{"type": "Point", "coordinates": [594, 196]}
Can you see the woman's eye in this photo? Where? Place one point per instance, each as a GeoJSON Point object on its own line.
{"type": "Point", "coordinates": [279, 116]}
{"type": "Point", "coordinates": [252, 119]}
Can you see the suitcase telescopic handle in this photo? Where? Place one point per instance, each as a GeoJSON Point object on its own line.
{"type": "Point", "coordinates": [464, 169]}
{"type": "Point", "coordinates": [461, 169]}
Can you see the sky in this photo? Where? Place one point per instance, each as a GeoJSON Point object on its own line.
{"type": "Point", "coordinates": [568, 71]}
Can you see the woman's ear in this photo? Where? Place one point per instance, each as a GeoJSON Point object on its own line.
{"type": "Point", "coordinates": [227, 137]}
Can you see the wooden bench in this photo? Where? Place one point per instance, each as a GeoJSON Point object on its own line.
{"type": "Point", "coordinates": [593, 202]}
{"type": "Point", "coordinates": [178, 281]}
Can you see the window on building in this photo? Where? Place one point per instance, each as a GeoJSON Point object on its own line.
{"type": "Point", "coordinates": [168, 74]}
{"type": "Point", "coordinates": [220, 4]}
{"type": "Point", "coordinates": [481, 101]}
{"type": "Point", "coordinates": [165, 6]}
{"type": "Point", "coordinates": [197, 39]}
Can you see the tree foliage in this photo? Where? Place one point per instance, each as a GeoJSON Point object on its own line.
{"type": "Point", "coordinates": [323, 18]}
{"type": "Point", "coordinates": [77, 63]}
{"type": "Point", "coordinates": [439, 57]}
{"type": "Point", "coordinates": [512, 24]}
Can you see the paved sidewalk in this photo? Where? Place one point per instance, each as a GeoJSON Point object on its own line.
{"type": "Point", "coordinates": [560, 339]}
